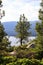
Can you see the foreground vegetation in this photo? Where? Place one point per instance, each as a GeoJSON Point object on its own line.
{"type": "Point", "coordinates": [31, 56]}
{"type": "Point", "coordinates": [11, 60]}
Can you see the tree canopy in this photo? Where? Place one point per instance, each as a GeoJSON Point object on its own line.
{"type": "Point", "coordinates": [22, 28]}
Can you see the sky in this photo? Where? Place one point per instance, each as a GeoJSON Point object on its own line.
{"type": "Point", "coordinates": [14, 8]}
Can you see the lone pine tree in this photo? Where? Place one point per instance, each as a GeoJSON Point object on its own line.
{"type": "Point", "coordinates": [39, 26]}
{"type": "Point", "coordinates": [22, 28]}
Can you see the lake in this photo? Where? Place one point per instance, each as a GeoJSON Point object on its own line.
{"type": "Point", "coordinates": [15, 41]}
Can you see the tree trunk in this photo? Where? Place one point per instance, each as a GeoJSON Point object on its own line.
{"type": "Point", "coordinates": [21, 41]}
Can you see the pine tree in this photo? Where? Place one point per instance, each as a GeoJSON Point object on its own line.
{"type": "Point", "coordinates": [22, 28]}
{"type": "Point", "coordinates": [2, 33]}
{"type": "Point", "coordinates": [4, 42]}
{"type": "Point", "coordinates": [39, 26]}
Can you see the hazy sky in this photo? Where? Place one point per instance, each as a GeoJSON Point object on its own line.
{"type": "Point", "coordinates": [13, 9]}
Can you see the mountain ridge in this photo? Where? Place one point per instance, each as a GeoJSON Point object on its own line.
{"type": "Point", "coordinates": [10, 28]}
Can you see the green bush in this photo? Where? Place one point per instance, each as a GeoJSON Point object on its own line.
{"type": "Point", "coordinates": [39, 55]}
{"type": "Point", "coordinates": [7, 59]}
{"type": "Point", "coordinates": [41, 62]}
{"type": "Point", "coordinates": [25, 61]}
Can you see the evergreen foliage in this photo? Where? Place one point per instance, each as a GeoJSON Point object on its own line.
{"type": "Point", "coordinates": [4, 42]}
{"type": "Point", "coordinates": [39, 27]}
{"type": "Point", "coordinates": [22, 28]}
{"type": "Point", "coordinates": [2, 32]}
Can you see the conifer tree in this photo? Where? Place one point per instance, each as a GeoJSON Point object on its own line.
{"type": "Point", "coordinates": [4, 42]}
{"type": "Point", "coordinates": [22, 28]}
{"type": "Point", "coordinates": [39, 26]}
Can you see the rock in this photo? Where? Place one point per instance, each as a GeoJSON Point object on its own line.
{"type": "Point", "coordinates": [32, 45]}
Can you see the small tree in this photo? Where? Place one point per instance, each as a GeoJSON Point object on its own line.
{"type": "Point", "coordinates": [4, 42]}
{"type": "Point", "coordinates": [2, 32]}
{"type": "Point", "coordinates": [22, 28]}
{"type": "Point", "coordinates": [39, 26]}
